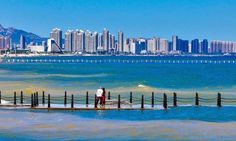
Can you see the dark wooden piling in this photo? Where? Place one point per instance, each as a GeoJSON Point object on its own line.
{"type": "Point", "coordinates": [37, 98]}
{"type": "Point", "coordinates": [14, 98]}
{"type": "Point", "coordinates": [109, 95]}
{"type": "Point", "coordinates": [152, 99]}
{"type": "Point", "coordinates": [87, 99]}
{"type": "Point", "coordinates": [21, 97]}
{"type": "Point", "coordinates": [49, 104]}
{"type": "Point", "coordinates": [95, 101]}
{"type": "Point", "coordinates": [165, 105]}
{"type": "Point", "coordinates": [118, 102]}
{"type": "Point", "coordinates": [130, 97]}
{"type": "Point", "coordinates": [219, 100]}
{"type": "Point", "coordinates": [174, 99]}
{"type": "Point", "coordinates": [142, 102]}
{"type": "Point", "coordinates": [196, 100]}
{"type": "Point", "coordinates": [72, 101]}
{"type": "Point", "coordinates": [43, 98]}
{"type": "Point", "coordinates": [0, 97]}
{"type": "Point", "coordinates": [65, 98]}
{"type": "Point", "coordinates": [32, 100]}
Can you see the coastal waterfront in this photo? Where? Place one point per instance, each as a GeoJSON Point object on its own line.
{"type": "Point", "coordinates": [140, 77]}
{"type": "Point", "coordinates": [79, 77]}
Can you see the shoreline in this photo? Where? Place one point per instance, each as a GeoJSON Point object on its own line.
{"type": "Point", "coordinates": [111, 55]}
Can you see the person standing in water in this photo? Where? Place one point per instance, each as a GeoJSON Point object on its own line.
{"type": "Point", "coordinates": [99, 94]}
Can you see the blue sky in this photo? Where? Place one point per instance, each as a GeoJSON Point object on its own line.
{"type": "Point", "coordinates": [189, 19]}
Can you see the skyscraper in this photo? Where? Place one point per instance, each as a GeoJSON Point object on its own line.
{"type": "Point", "coordinates": [120, 41]}
{"type": "Point", "coordinates": [81, 41]}
{"type": "Point", "coordinates": [183, 46]}
{"type": "Point", "coordinates": [174, 43]}
{"type": "Point", "coordinates": [152, 45]}
{"type": "Point", "coordinates": [100, 42]}
{"type": "Point", "coordinates": [195, 46]}
{"type": "Point", "coordinates": [106, 39]}
{"type": "Point", "coordinates": [204, 45]}
{"type": "Point", "coordinates": [164, 46]}
{"type": "Point", "coordinates": [22, 42]}
{"type": "Point", "coordinates": [75, 40]}
{"type": "Point", "coordinates": [2, 42]}
{"type": "Point", "coordinates": [68, 41]}
{"type": "Point", "coordinates": [95, 42]}
{"type": "Point", "coordinates": [56, 34]}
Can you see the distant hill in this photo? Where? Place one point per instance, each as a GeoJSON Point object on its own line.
{"type": "Point", "coordinates": [16, 33]}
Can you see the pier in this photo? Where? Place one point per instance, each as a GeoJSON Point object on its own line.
{"type": "Point", "coordinates": [67, 101]}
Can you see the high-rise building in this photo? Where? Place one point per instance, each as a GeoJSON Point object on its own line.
{"type": "Point", "coordinates": [100, 42]}
{"type": "Point", "coordinates": [95, 42]}
{"type": "Point", "coordinates": [56, 34]}
{"type": "Point", "coordinates": [5, 42]}
{"type": "Point", "coordinates": [127, 46]}
{"type": "Point", "coordinates": [141, 46]}
{"type": "Point", "coordinates": [183, 46]}
{"type": "Point", "coordinates": [164, 44]}
{"type": "Point", "coordinates": [75, 40]}
{"type": "Point", "coordinates": [22, 42]}
{"type": "Point", "coordinates": [120, 42]}
{"type": "Point", "coordinates": [174, 43]}
{"type": "Point", "coordinates": [234, 47]}
{"type": "Point", "coordinates": [81, 41]}
{"type": "Point", "coordinates": [112, 43]}
{"type": "Point", "coordinates": [2, 42]}
{"type": "Point", "coordinates": [68, 41]}
{"type": "Point", "coordinates": [133, 46]}
{"type": "Point", "coordinates": [91, 42]}
{"type": "Point", "coordinates": [204, 46]}
{"type": "Point", "coordinates": [153, 45]}
{"type": "Point", "coordinates": [106, 39]}
{"type": "Point", "coordinates": [222, 47]}
{"type": "Point", "coordinates": [195, 46]}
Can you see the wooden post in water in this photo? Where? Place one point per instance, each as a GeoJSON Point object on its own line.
{"type": "Point", "coordinates": [142, 102]}
{"type": "Point", "coordinates": [32, 100]}
{"type": "Point", "coordinates": [14, 98]}
{"type": "Point", "coordinates": [0, 97]}
{"type": "Point", "coordinates": [196, 100]}
{"type": "Point", "coordinates": [95, 101]}
{"type": "Point", "coordinates": [65, 98]}
{"type": "Point", "coordinates": [165, 101]}
{"type": "Point", "coordinates": [72, 101]}
{"type": "Point", "coordinates": [21, 97]}
{"type": "Point", "coordinates": [43, 98]}
{"type": "Point", "coordinates": [219, 100]}
{"type": "Point", "coordinates": [118, 101]}
{"type": "Point", "coordinates": [131, 98]}
{"type": "Point", "coordinates": [37, 99]}
{"type": "Point", "coordinates": [174, 99]}
{"type": "Point", "coordinates": [49, 104]}
{"type": "Point", "coordinates": [152, 99]}
{"type": "Point", "coordinates": [87, 99]}
{"type": "Point", "coordinates": [109, 95]}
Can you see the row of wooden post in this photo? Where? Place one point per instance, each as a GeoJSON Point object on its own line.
{"type": "Point", "coordinates": [35, 100]}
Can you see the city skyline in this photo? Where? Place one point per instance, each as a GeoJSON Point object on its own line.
{"type": "Point", "coordinates": [162, 18]}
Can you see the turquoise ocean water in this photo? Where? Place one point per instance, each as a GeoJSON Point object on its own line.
{"type": "Point", "coordinates": [120, 75]}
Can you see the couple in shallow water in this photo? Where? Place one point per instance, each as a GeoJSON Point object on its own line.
{"type": "Point", "coordinates": [101, 97]}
